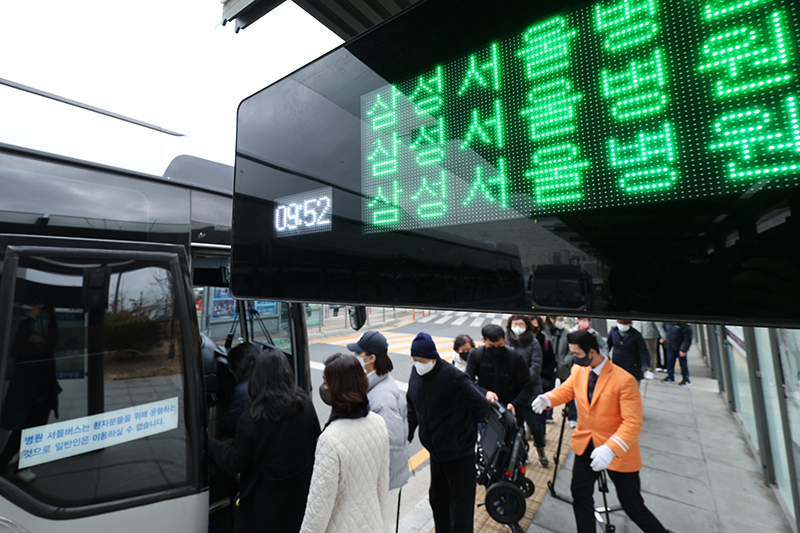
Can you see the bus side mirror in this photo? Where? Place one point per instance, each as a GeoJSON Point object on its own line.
{"type": "Point", "coordinates": [358, 316]}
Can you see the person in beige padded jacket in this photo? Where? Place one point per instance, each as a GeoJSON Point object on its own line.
{"type": "Point", "coordinates": [350, 484]}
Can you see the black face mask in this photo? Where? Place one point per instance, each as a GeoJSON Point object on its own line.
{"type": "Point", "coordinates": [324, 394]}
{"type": "Point", "coordinates": [582, 361]}
{"type": "Point", "coordinates": [495, 351]}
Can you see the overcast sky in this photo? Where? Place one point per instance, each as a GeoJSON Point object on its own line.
{"type": "Point", "coordinates": [168, 63]}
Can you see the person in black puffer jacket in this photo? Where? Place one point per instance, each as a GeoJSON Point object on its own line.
{"type": "Point", "coordinates": [678, 342]}
{"type": "Point", "coordinates": [521, 336]}
{"type": "Point", "coordinates": [447, 406]}
{"type": "Point", "coordinates": [629, 349]}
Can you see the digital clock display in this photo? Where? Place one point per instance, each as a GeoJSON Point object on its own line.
{"type": "Point", "coordinates": [309, 212]}
{"type": "Point", "coordinates": [617, 103]}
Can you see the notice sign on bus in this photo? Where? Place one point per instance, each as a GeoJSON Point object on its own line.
{"type": "Point", "coordinates": [52, 442]}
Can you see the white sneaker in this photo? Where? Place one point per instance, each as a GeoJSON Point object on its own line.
{"type": "Point", "coordinates": [573, 423]}
{"type": "Point", "coordinates": [649, 375]}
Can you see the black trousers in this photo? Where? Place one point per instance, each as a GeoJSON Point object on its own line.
{"type": "Point", "coordinates": [452, 494]}
{"type": "Point", "coordinates": [628, 491]}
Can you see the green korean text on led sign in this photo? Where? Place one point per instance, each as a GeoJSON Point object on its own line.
{"type": "Point", "coordinates": [618, 103]}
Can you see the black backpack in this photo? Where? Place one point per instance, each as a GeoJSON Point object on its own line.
{"type": "Point", "coordinates": [484, 371]}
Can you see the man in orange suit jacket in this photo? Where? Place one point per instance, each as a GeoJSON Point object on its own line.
{"type": "Point", "coordinates": [607, 436]}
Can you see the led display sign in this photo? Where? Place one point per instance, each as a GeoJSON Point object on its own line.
{"type": "Point", "coordinates": [613, 104]}
{"type": "Point", "coordinates": [309, 212]}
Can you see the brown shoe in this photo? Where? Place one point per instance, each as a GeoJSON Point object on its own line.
{"type": "Point", "coordinates": [542, 457]}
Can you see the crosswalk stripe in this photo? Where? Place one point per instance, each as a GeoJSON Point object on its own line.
{"type": "Point", "coordinates": [448, 312]}
{"type": "Point", "coordinates": [490, 315]}
{"type": "Point", "coordinates": [399, 343]}
{"type": "Point", "coordinates": [427, 318]}
{"type": "Point", "coordinates": [461, 313]}
{"type": "Point", "coordinates": [497, 321]}
{"type": "Point", "coordinates": [474, 315]}
{"type": "Point", "coordinates": [505, 316]}
{"type": "Point", "coordinates": [443, 319]}
{"type": "Point", "coordinates": [478, 322]}
{"type": "Point", "coordinates": [460, 320]}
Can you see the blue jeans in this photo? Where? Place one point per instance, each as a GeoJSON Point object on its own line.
{"type": "Point", "coordinates": [671, 355]}
{"type": "Point", "coordinates": [537, 424]}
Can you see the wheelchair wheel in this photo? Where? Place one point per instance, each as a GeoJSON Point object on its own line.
{"type": "Point", "coordinates": [505, 502]}
{"type": "Point", "coordinates": [527, 487]}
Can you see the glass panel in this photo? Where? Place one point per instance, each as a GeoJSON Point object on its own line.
{"type": "Point", "coordinates": [78, 200]}
{"type": "Point", "coordinates": [789, 346]}
{"type": "Point", "coordinates": [272, 318]}
{"type": "Point", "coordinates": [774, 422]}
{"type": "Point", "coordinates": [737, 354]}
{"type": "Point", "coordinates": [211, 218]}
{"type": "Point", "coordinates": [94, 404]}
{"type": "Point", "coordinates": [217, 314]}
{"type": "Point", "coordinates": [314, 316]}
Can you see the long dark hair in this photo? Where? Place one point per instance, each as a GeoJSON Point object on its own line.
{"type": "Point", "coordinates": [272, 387]}
{"type": "Point", "coordinates": [347, 383]}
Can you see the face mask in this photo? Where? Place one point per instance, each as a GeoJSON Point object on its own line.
{"type": "Point", "coordinates": [363, 363]}
{"type": "Point", "coordinates": [518, 330]}
{"type": "Point", "coordinates": [559, 324]}
{"type": "Point", "coordinates": [324, 394]}
{"type": "Point", "coordinates": [581, 361]}
{"type": "Point", "coordinates": [423, 368]}
{"type": "Point", "coordinates": [463, 355]}
{"type": "Point", "coordinates": [623, 327]}
{"type": "Point", "coordinates": [495, 350]}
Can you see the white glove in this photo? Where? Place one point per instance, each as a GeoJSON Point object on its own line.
{"type": "Point", "coordinates": [601, 458]}
{"type": "Point", "coordinates": [541, 403]}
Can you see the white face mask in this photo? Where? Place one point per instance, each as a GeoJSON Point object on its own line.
{"type": "Point", "coordinates": [559, 324]}
{"type": "Point", "coordinates": [363, 363]}
{"type": "Point", "coordinates": [423, 368]}
{"type": "Point", "coordinates": [518, 330]}
{"type": "Point", "coordinates": [623, 327]}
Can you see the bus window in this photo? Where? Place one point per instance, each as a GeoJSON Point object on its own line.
{"type": "Point", "coordinates": [218, 317]}
{"type": "Point", "coordinates": [95, 401]}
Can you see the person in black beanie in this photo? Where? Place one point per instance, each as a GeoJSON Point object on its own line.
{"type": "Point", "coordinates": [447, 407]}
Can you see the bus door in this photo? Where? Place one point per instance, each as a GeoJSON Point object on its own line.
{"type": "Point", "coordinates": [101, 413]}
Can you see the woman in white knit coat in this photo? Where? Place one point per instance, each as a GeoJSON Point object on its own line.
{"type": "Point", "coordinates": [350, 484]}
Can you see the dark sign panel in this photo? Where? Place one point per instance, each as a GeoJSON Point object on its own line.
{"type": "Point", "coordinates": [626, 156]}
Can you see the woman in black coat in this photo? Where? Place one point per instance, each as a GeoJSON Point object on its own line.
{"type": "Point", "coordinates": [521, 335]}
{"type": "Point", "coordinates": [273, 449]}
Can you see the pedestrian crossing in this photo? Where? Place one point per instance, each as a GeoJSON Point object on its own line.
{"type": "Point", "coordinates": [459, 318]}
{"type": "Point", "coordinates": [400, 343]}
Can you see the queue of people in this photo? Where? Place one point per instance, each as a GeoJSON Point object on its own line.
{"type": "Point", "coordinates": [349, 474]}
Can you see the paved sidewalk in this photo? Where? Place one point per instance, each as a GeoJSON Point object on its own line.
{"type": "Point", "coordinates": [699, 473]}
